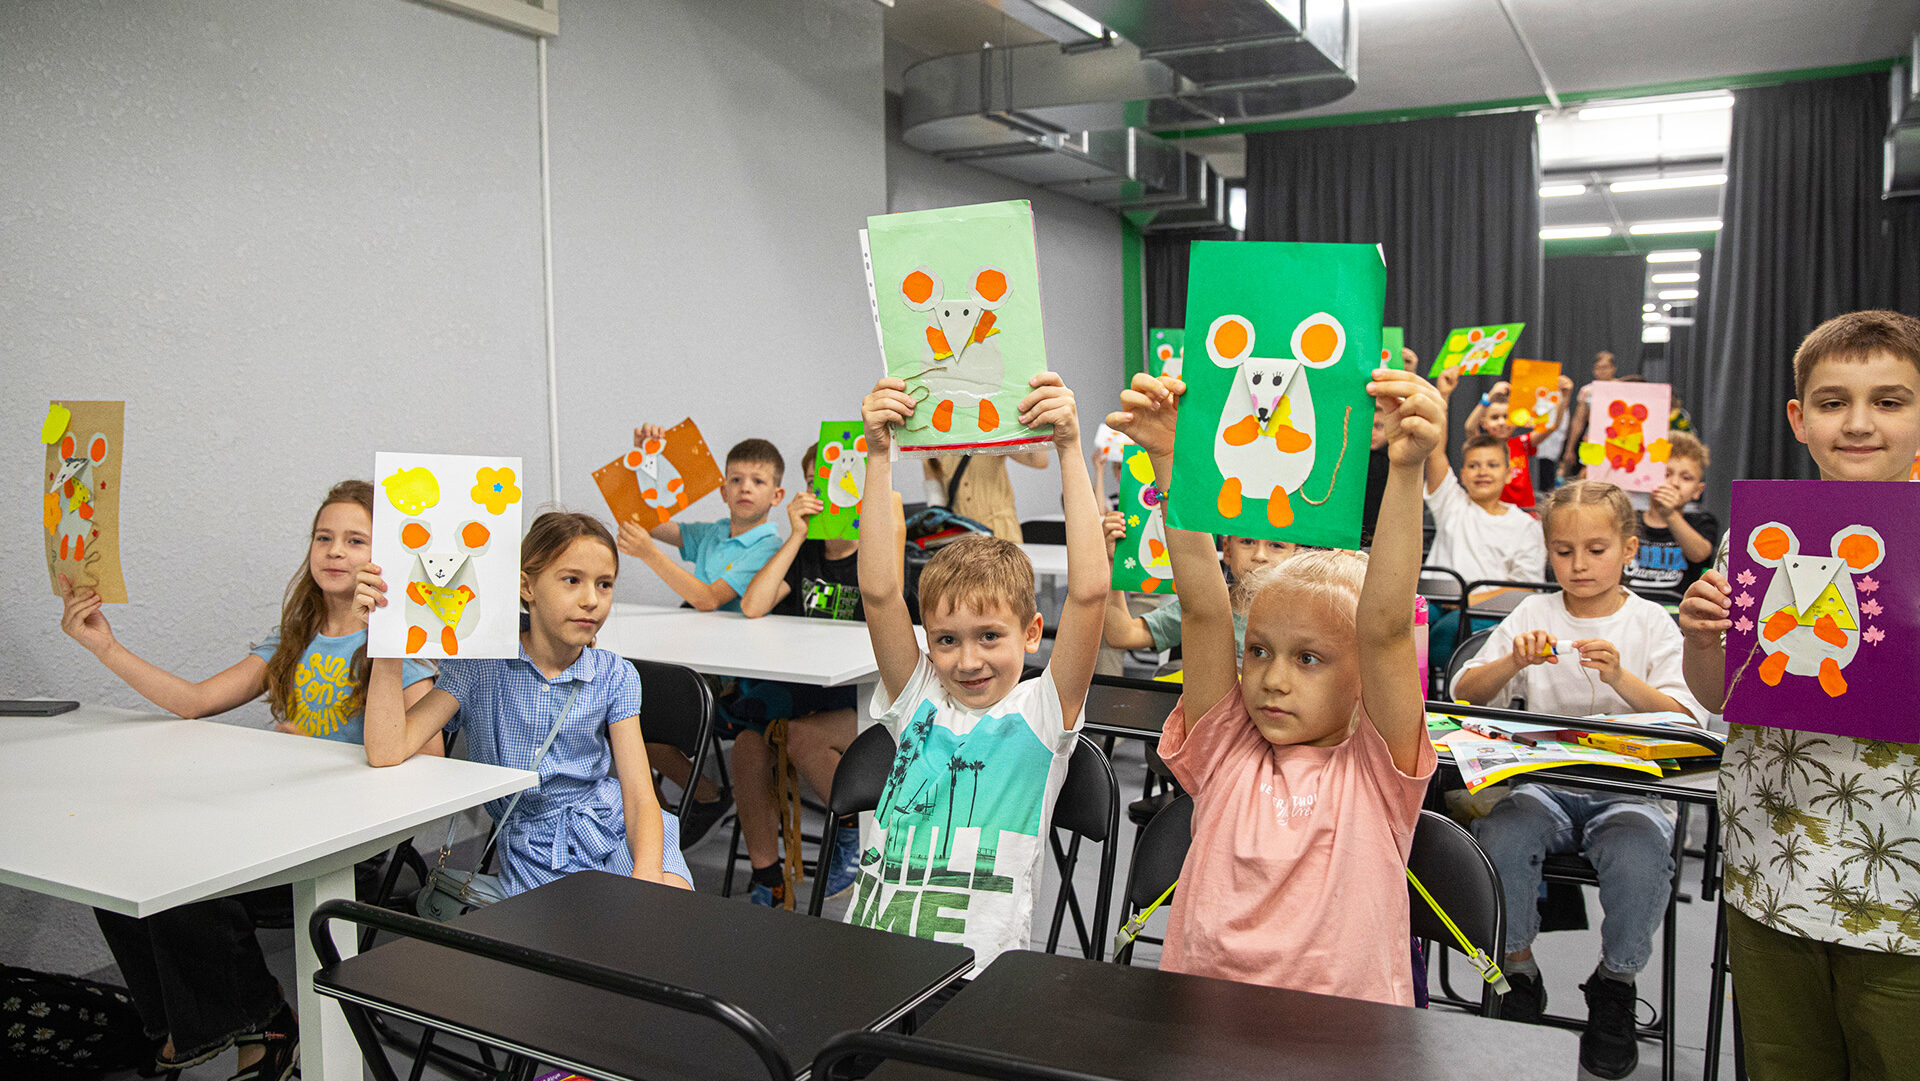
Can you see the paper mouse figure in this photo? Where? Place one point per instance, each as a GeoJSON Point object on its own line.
{"type": "Point", "coordinates": [440, 589]}
{"type": "Point", "coordinates": [963, 369]}
{"type": "Point", "coordinates": [1264, 445]}
{"type": "Point", "coordinates": [1810, 614]}
{"type": "Point", "coordinates": [846, 470]}
{"type": "Point", "coordinates": [659, 482]}
{"type": "Point", "coordinates": [72, 492]}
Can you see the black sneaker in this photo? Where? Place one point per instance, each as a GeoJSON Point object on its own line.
{"type": "Point", "coordinates": [1609, 1046]}
{"type": "Point", "coordinates": [1525, 1000]}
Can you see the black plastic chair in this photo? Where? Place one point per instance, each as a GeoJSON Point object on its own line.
{"type": "Point", "coordinates": [1088, 807]}
{"type": "Point", "coordinates": [677, 709]}
{"type": "Point", "coordinates": [1465, 625]}
{"type": "Point", "coordinates": [1158, 854]}
{"type": "Point", "coordinates": [1043, 531]}
{"type": "Point", "coordinates": [1462, 653]}
{"type": "Point", "coordinates": [858, 783]}
{"type": "Point", "coordinates": [739, 1022]}
{"type": "Point", "coordinates": [949, 1057]}
{"type": "Point", "coordinates": [1452, 866]}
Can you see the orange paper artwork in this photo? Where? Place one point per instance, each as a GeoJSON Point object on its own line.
{"type": "Point", "coordinates": [652, 483]}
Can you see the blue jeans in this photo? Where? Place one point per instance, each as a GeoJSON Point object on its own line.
{"type": "Point", "coordinates": [1628, 840]}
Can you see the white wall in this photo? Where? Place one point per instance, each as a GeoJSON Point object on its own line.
{"type": "Point", "coordinates": [287, 233]}
{"type": "Point", "coordinates": [1080, 276]}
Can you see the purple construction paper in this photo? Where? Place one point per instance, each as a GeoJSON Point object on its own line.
{"type": "Point", "coordinates": [1868, 610]}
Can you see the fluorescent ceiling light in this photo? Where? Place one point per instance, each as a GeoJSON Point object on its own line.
{"type": "Point", "coordinates": [1672, 256]}
{"type": "Point", "coordinates": [1698, 225]}
{"type": "Point", "coordinates": [1072, 16]}
{"type": "Point", "coordinates": [1677, 277]}
{"type": "Point", "coordinates": [1646, 307]}
{"type": "Point", "coordinates": [1662, 183]}
{"type": "Point", "coordinates": [1575, 232]}
{"type": "Point", "coordinates": [1657, 107]}
{"type": "Point", "coordinates": [1679, 294]}
{"type": "Point", "coordinates": [1561, 191]}
{"type": "Point", "coordinates": [1656, 334]}
{"type": "Point", "coordinates": [1649, 316]}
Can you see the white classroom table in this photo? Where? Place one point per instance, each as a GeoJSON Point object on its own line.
{"type": "Point", "coordinates": [792, 649]}
{"type": "Point", "coordinates": [139, 812]}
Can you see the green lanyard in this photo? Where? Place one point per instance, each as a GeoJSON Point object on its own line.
{"type": "Point", "coordinates": [1484, 964]}
{"type": "Point", "coordinates": [1489, 971]}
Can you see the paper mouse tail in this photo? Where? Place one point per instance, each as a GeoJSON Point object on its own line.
{"type": "Point", "coordinates": [1345, 435]}
{"type": "Point", "coordinates": [1739, 674]}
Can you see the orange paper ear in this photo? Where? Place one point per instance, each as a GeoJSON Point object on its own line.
{"type": "Point", "coordinates": [918, 288]}
{"type": "Point", "coordinates": [1230, 340]}
{"type": "Point", "coordinates": [67, 445]}
{"type": "Point", "coordinates": [474, 535]}
{"type": "Point", "coordinates": [831, 452]}
{"type": "Point", "coordinates": [655, 446]}
{"type": "Point", "coordinates": [1639, 411]}
{"type": "Point", "coordinates": [633, 459]}
{"type": "Point", "coordinates": [415, 535]}
{"type": "Point", "coordinates": [97, 448]}
{"type": "Point", "coordinates": [1773, 543]}
{"type": "Point", "coordinates": [860, 445]}
{"type": "Point", "coordinates": [990, 284]}
{"type": "Point", "coordinates": [1859, 550]}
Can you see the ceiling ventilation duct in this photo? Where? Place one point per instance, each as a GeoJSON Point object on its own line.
{"type": "Point", "coordinates": [1903, 135]}
{"type": "Point", "coordinates": [1072, 119]}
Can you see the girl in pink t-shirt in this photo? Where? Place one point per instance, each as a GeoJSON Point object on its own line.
{"type": "Point", "coordinates": [1308, 763]}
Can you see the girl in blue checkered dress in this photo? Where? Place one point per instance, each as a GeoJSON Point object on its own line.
{"type": "Point", "coordinates": [595, 808]}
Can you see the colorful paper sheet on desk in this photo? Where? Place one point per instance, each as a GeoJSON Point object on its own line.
{"type": "Point", "coordinates": [956, 305]}
{"type": "Point", "coordinates": [1533, 399]}
{"type": "Point", "coordinates": [1477, 350]}
{"type": "Point", "coordinates": [1140, 563]}
{"type": "Point", "coordinates": [839, 479]}
{"type": "Point", "coordinates": [1485, 761]}
{"type": "Point", "coordinates": [80, 496]}
{"type": "Point", "coordinates": [1626, 438]}
{"type": "Point", "coordinates": [650, 484]}
{"type": "Point", "coordinates": [446, 533]}
{"type": "Point", "coordinates": [1273, 430]}
{"type": "Point", "coordinates": [1826, 607]}
{"type": "Point", "coordinates": [1166, 350]}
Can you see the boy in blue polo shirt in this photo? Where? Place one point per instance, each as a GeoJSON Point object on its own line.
{"type": "Point", "coordinates": [725, 554]}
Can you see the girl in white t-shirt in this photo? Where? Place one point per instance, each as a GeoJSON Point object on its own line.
{"type": "Point", "coordinates": [1593, 649]}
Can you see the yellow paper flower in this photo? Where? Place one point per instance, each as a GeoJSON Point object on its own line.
{"type": "Point", "coordinates": [495, 490]}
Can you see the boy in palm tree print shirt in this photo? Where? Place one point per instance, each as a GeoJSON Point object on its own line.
{"type": "Point", "coordinates": [957, 847]}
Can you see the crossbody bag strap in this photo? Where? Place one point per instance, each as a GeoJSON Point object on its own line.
{"type": "Point", "coordinates": [538, 755]}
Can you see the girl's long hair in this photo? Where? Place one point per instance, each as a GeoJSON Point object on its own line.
{"type": "Point", "coordinates": [305, 611]}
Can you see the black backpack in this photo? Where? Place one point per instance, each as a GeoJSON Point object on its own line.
{"type": "Point", "coordinates": [55, 1026]}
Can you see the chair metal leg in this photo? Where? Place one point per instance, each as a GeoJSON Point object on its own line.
{"type": "Point", "coordinates": [733, 859]}
{"type": "Point", "coordinates": [1716, 996]}
{"type": "Point", "coordinates": [1069, 899]}
{"type": "Point", "coordinates": [371, 1052]}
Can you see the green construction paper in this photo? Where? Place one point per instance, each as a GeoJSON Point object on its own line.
{"type": "Point", "coordinates": [1166, 348]}
{"type": "Point", "coordinates": [1307, 315]}
{"type": "Point", "coordinates": [969, 273]}
{"type": "Point", "coordinates": [1392, 340]}
{"type": "Point", "coordinates": [839, 460]}
{"type": "Point", "coordinates": [1140, 562]}
{"type": "Point", "coordinates": [1477, 350]}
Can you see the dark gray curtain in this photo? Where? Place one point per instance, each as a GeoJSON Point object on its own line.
{"type": "Point", "coordinates": [1454, 202]}
{"type": "Point", "coordinates": [1806, 237]}
{"type": "Point", "coordinates": [1591, 302]}
{"type": "Point", "coordinates": [1167, 274]}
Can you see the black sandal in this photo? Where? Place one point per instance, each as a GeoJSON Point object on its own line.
{"type": "Point", "coordinates": [163, 1065]}
{"type": "Point", "coordinates": [281, 1039]}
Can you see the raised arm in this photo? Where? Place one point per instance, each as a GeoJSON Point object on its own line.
{"type": "Point", "coordinates": [1120, 629]}
{"type": "Point", "coordinates": [399, 722]}
{"type": "Point", "coordinates": [640, 544]}
{"type": "Point", "coordinates": [889, 624]}
{"type": "Point", "coordinates": [1436, 463]}
{"type": "Point", "coordinates": [1706, 614]}
{"type": "Point", "coordinates": [1389, 679]}
{"type": "Point", "coordinates": [1076, 644]}
{"type": "Point", "coordinates": [769, 586]}
{"type": "Point", "coordinates": [1149, 411]}
{"type": "Point", "coordinates": [84, 621]}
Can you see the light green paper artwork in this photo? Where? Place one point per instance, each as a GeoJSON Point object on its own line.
{"type": "Point", "coordinates": [1140, 563]}
{"type": "Point", "coordinates": [1273, 430]}
{"type": "Point", "coordinates": [839, 479]}
{"type": "Point", "coordinates": [956, 305]}
{"type": "Point", "coordinates": [1392, 340]}
{"type": "Point", "coordinates": [1477, 350]}
{"type": "Point", "coordinates": [1166, 350]}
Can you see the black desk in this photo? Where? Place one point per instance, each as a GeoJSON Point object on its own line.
{"type": "Point", "coordinates": [805, 979]}
{"type": "Point", "coordinates": [1129, 708]}
{"type": "Point", "coordinates": [1138, 1023]}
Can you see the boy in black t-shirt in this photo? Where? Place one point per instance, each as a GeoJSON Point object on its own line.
{"type": "Point", "coordinates": [1675, 544]}
{"type": "Point", "coordinates": [815, 578]}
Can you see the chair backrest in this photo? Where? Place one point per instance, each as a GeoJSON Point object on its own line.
{"type": "Point", "coordinates": [676, 706]}
{"type": "Point", "coordinates": [1453, 867]}
{"type": "Point", "coordinates": [1089, 800]}
{"type": "Point", "coordinates": [1160, 853]}
{"type": "Point", "coordinates": [861, 777]}
{"type": "Point", "coordinates": [1043, 531]}
{"type": "Point", "coordinates": [1463, 653]}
